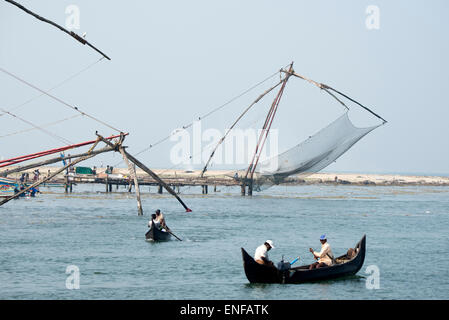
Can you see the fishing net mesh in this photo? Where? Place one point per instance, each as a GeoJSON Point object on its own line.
{"type": "Point", "coordinates": [312, 155]}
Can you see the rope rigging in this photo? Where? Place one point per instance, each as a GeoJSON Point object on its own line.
{"type": "Point", "coordinates": [39, 127]}
{"type": "Point", "coordinates": [59, 100]}
{"type": "Point", "coordinates": [53, 135]}
{"type": "Point", "coordinates": [206, 115]}
{"type": "Point", "coordinates": [270, 117]}
{"type": "Point", "coordinates": [327, 88]}
{"type": "Point", "coordinates": [55, 86]}
{"type": "Point", "coordinates": [35, 127]}
{"type": "Point", "coordinates": [236, 121]}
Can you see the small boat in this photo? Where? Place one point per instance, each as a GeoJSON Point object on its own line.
{"type": "Point", "coordinates": [344, 266]}
{"type": "Point", "coordinates": [157, 235]}
{"type": "Point", "coordinates": [7, 187]}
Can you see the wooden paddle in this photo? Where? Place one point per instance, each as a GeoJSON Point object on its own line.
{"type": "Point", "coordinates": [168, 230]}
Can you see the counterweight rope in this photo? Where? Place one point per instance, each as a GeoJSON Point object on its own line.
{"type": "Point", "coordinates": [53, 135]}
{"type": "Point", "coordinates": [35, 127]}
{"type": "Point", "coordinates": [59, 100]}
{"type": "Point", "coordinates": [55, 86]}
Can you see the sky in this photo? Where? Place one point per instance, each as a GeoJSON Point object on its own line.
{"type": "Point", "coordinates": [174, 61]}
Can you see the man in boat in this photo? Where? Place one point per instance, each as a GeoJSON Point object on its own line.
{"type": "Point", "coordinates": [161, 220]}
{"type": "Point", "coordinates": [153, 220]}
{"type": "Point", "coordinates": [325, 257]}
{"type": "Point", "coordinates": [22, 187]}
{"type": "Point", "coordinates": [33, 192]}
{"type": "Point", "coordinates": [261, 255]}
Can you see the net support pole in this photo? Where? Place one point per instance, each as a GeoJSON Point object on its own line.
{"type": "Point", "coordinates": [151, 173]}
{"type": "Point", "coordinates": [265, 131]}
{"type": "Point", "coordinates": [52, 160]}
{"type": "Point", "coordinates": [326, 88]}
{"type": "Point", "coordinates": [133, 175]}
{"type": "Point", "coordinates": [52, 175]}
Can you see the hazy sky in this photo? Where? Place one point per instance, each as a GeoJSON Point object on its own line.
{"type": "Point", "coordinates": [173, 61]}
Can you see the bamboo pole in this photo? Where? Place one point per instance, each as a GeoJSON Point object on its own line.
{"type": "Point", "coordinates": [51, 176]}
{"type": "Point", "coordinates": [265, 130]}
{"type": "Point", "coordinates": [156, 177]}
{"type": "Point", "coordinates": [53, 160]}
{"type": "Point", "coordinates": [132, 173]}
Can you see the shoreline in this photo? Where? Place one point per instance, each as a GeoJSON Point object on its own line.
{"type": "Point", "coordinates": [315, 178]}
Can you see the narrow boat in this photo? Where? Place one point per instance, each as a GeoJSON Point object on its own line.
{"type": "Point", "coordinates": [157, 235]}
{"type": "Point", "coordinates": [344, 266]}
{"type": "Point", "coordinates": [7, 187]}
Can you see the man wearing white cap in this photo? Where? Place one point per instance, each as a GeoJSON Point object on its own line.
{"type": "Point", "coordinates": [261, 255]}
{"type": "Point", "coordinates": [325, 257]}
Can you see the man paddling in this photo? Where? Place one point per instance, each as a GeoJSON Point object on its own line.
{"type": "Point", "coordinates": [261, 255]}
{"type": "Point", "coordinates": [161, 220]}
{"type": "Point", "coordinates": [153, 220]}
{"type": "Point", "coordinates": [325, 257]}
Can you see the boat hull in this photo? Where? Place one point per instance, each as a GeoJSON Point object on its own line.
{"type": "Point", "coordinates": [155, 234]}
{"type": "Point", "coordinates": [257, 273]}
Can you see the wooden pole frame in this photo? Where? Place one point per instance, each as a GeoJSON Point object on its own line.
{"type": "Point", "coordinates": [263, 135]}
{"type": "Point", "coordinates": [54, 174]}
{"type": "Point", "coordinates": [132, 173]}
{"type": "Point", "coordinates": [147, 170]}
{"type": "Point", "coordinates": [53, 160]}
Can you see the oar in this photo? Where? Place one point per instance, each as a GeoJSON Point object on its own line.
{"type": "Point", "coordinates": [173, 234]}
{"type": "Point", "coordinates": [168, 230]}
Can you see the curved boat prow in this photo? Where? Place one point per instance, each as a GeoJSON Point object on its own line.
{"type": "Point", "coordinates": [361, 251]}
{"type": "Point", "coordinates": [257, 273]}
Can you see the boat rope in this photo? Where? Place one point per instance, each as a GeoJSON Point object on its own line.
{"type": "Point", "coordinates": [51, 134]}
{"type": "Point", "coordinates": [70, 33]}
{"type": "Point", "coordinates": [39, 127]}
{"type": "Point", "coordinates": [58, 99]}
{"type": "Point", "coordinates": [55, 86]}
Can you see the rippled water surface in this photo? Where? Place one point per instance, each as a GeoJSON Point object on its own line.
{"type": "Point", "coordinates": [406, 227]}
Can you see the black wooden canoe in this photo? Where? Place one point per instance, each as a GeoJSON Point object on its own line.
{"type": "Point", "coordinates": [157, 235]}
{"type": "Point", "coordinates": [257, 273]}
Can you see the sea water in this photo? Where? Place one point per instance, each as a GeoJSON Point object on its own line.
{"type": "Point", "coordinates": [45, 240]}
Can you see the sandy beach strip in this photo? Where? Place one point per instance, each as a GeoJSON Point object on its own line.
{"type": "Point", "coordinates": [316, 178]}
